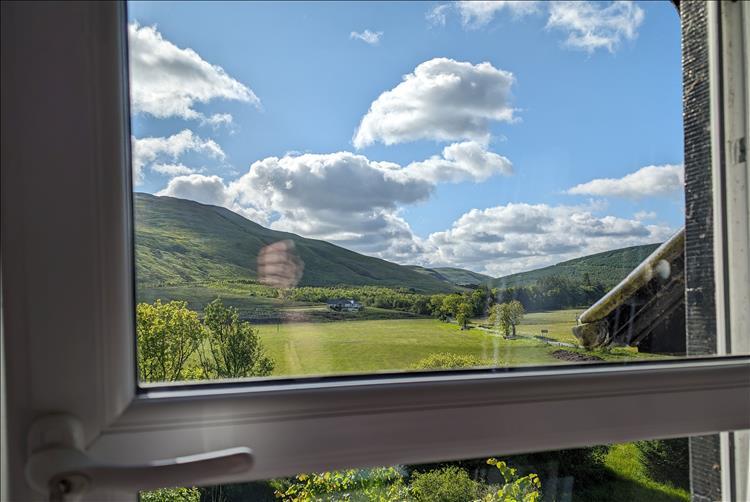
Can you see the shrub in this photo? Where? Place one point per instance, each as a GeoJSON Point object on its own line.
{"type": "Point", "coordinates": [448, 484]}
{"type": "Point", "coordinates": [666, 461]}
{"type": "Point", "coordinates": [447, 360]}
{"type": "Point", "coordinates": [381, 484]}
{"type": "Point", "coordinates": [171, 495]}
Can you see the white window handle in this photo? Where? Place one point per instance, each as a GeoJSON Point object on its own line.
{"type": "Point", "coordinates": [59, 467]}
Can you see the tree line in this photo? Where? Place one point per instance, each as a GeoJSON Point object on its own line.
{"type": "Point", "coordinates": [547, 293]}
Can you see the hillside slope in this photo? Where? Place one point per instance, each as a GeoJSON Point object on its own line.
{"type": "Point", "coordinates": [180, 241]}
{"type": "Point", "coordinates": [457, 276]}
{"type": "Point", "coordinates": [462, 276]}
{"type": "Point", "coordinates": [607, 268]}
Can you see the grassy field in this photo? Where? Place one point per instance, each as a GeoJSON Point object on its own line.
{"type": "Point", "coordinates": [371, 346]}
{"type": "Point", "coordinates": [308, 348]}
{"type": "Point", "coordinates": [557, 323]}
{"type": "Point", "coordinates": [631, 482]}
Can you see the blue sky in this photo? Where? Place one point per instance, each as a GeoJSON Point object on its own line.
{"type": "Point", "coordinates": [565, 140]}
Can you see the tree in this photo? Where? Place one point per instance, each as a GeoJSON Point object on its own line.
{"type": "Point", "coordinates": [463, 314]}
{"type": "Point", "coordinates": [436, 307]}
{"type": "Point", "coordinates": [496, 314]}
{"type": "Point", "coordinates": [514, 314]}
{"type": "Point", "coordinates": [450, 304]}
{"type": "Point", "coordinates": [479, 300]}
{"type": "Point", "coordinates": [233, 348]}
{"type": "Point", "coordinates": [507, 315]}
{"type": "Point", "coordinates": [167, 335]}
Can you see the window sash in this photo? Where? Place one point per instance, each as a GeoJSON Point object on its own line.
{"type": "Point", "coordinates": [314, 427]}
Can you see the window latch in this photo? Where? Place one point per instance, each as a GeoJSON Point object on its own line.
{"type": "Point", "coordinates": [59, 466]}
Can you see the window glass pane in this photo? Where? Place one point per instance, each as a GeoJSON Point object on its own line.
{"type": "Point", "coordinates": [654, 470]}
{"type": "Point", "coordinates": [348, 188]}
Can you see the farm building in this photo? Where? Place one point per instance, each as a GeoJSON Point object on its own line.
{"type": "Point", "coordinates": [344, 305]}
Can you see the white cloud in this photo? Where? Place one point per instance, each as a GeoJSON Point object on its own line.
{"type": "Point", "coordinates": [342, 197]}
{"type": "Point", "coordinates": [506, 239]}
{"type": "Point", "coordinates": [339, 182]}
{"type": "Point", "coordinates": [644, 215]}
{"type": "Point", "coordinates": [645, 182]}
{"type": "Point", "coordinates": [438, 14]}
{"type": "Point", "coordinates": [147, 150]}
{"type": "Point", "coordinates": [172, 169]}
{"type": "Point", "coordinates": [354, 202]}
{"type": "Point", "coordinates": [218, 119]}
{"type": "Point", "coordinates": [168, 81]}
{"type": "Point", "coordinates": [591, 26]}
{"type": "Point", "coordinates": [467, 161]}
{"type": "Point", "coordinates": [477, 13]}
{"type": "Point", "coordinates": [367, 36]}
{"type": "Point", "coordinates": [197, 187]}
{"type": "Point", "coordinates": [588, 26]}
{"type": "Point", "coordinates": [442, 100]}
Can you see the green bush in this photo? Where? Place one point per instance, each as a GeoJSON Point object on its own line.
{"type": "Point", "coordinates": [171, 495]}
{"type": "Point", "coordinates": [447, 360]}
{"type": "Point", "coordinates": [448, 484]}
{"type": "Point", "coordinates": [381, 484]}
{"type": "Point", "coordinates": [666, 461]}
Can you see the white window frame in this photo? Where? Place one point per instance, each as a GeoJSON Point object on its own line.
{"type": "Point", "coordinates": [729, 39]}
{"type": "Point", "coordinates": [68, 333]}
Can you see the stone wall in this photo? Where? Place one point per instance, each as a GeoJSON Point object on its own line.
{"type": "Point", "coordinates": [700, 301]}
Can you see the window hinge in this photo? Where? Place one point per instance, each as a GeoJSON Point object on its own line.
{"type": "Point", "coordinates": [59, 466]}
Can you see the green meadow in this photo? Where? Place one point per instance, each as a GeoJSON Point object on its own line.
{"type": "Point", "coordinates": [316, 348]}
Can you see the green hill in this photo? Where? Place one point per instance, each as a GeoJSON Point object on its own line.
{"type": "Point", "coordinates": [607, 268]}
{"type": "Point", "coordinates": [457, 276]}
{"type": "Point", "coordinates": [431, 272]}
{"type": "Point", "coordinates": [462, 276]}
{"type": "Point", "coordinates": [180, 241]}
